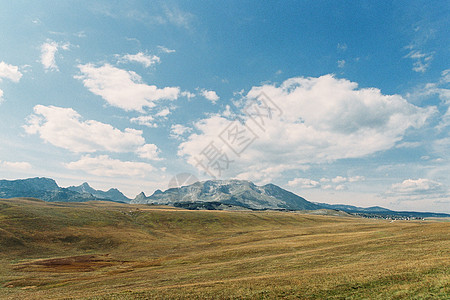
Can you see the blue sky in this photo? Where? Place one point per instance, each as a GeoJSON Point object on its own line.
{"type": "Point", "coordinates": [337, 101]}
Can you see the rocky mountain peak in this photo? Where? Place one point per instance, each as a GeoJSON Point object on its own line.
{"type": "Point", "coordinates": [232, 192]}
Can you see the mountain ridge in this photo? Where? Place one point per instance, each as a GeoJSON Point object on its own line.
{"type": "Point", "coordinates": [211, 194]}
{"type": "Point", "coordinates": [45, 189]}
{"type": "Point", "coordinates": [112, 194]}
{"type": "Point", "coordinates": [230, 192]}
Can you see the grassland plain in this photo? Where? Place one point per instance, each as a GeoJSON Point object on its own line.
{"type": "Point", "coordinates": [117, 251]}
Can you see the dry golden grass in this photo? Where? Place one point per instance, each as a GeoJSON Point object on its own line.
{"type": "Point", "coordinates": [118, 251]}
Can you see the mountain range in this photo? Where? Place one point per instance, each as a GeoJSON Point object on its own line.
{"type": "Point", "coordinates": [231, 193]}
{"type": "Point", "coordinates": [48, 190]}
{"type": "Point", "coordinates": [211, 194]}
{"type": "Point", "coordinates": [112, 194]}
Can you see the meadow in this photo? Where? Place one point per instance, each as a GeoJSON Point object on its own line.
{"type": "Point", "coordinates": [105, 250]}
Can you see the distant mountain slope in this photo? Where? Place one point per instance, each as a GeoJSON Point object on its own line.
{"type": "Point", "coordinates": [42, 188]}
{"type": "Point", "coordinates": [381, 211]}
{"type": "Point", "coordinates": [351, 208]}
{"type": "Point", "coordinates": [112, 194]}
{"type": "Point", "coordinates": [232, 193]}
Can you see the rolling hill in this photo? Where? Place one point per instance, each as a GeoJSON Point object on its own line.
{"type": "Point", "coordinates": [107, 250]}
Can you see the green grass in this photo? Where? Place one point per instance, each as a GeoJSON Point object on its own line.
{"type": "Point", "coordinates": [119, 251]}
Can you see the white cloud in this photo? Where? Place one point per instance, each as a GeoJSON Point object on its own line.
{"type": "Point", "coordinates": [421, 61]}
{"type": "Point", "coordinates": [64, 128]}
{"type": "Point", "coordinates": [416, 187]}
{"type": "Point", "coordinates": [178, 130]}
{"type": "Point", "coordinates": [445, 76]}
{"type": "Point", "coordinates": [341, 187]}
{"type": "Point", "coordinates": [9, 72]}
{"type": "Point", "coordinates": [356, 178]}
{"type": "Point", "coordinates": [80, 34]}
{"type": "Point", "coordinates": [408, 145]}
{"type": "Point", "coordinates": [103, 165]}
{"type": "Point", "coordinates": [305, 183]}
{"type": "Point", "coordinates": [210, 95]}
{"type": "Point", "coordinates": [322, 120]}
{"type": "Point", "coordinates": [48, 52]}
{"type": "Point", "coordinates": [439, 88]}
{"type": "Point", "coordinates": [1, 96]}
{"type": "Point", "coordinates": [341, 63]}
{"type": "Point", "coordinates": [187, 94]}
{"type": "Point", "coordinates": [15, 165]}
{"type": "Point", "coordinates": [149, 151]}
{"type": "Point", "coordinates": [165, 50]}
{"type": "Point", "coordinates": [123, 89]}
{"type": "Point", "coordinates": [145, 121]}
{"type": "Point", "coordinates": [337, 185]}
{"type": "Point", "coordinates": [339, 179]}
{"type": "Point", "coordinates": [163, 113]}
{"type": "Point", "coordinates": [142, 58]}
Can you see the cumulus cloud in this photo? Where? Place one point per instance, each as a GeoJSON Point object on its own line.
{"type": "Point", "coordinates": [142, 58]}
{"type": "Point", "coordinates": [64, 128]}
{"type": "Point", "coordinates": [313, 120]}
{"type": "Point", "coordinates": [103, 165]}
{"type": "Point", "coordinates": [150, 120]}
{"type": "Point", "coordinates": [356, 178]}
{"type": "Point", "coordinates": [15, 165]}
{"type": "Point", "coordinates": [339, 179]}
{"type": "Point", "coordinates": [210, 95]}
{"type": "Point", "coordinates": [163, 113]}
{"type": "Point", "coordinates": [305, 183]}
{"type": "Point", "coordinates": [123, 89]}
{"type": "Point", "coordinates": [10, 72]}
{"type": "Point", "coordinates": [144, 121]}
{"type": "Point", "coordinates": [187, 94]}
{"type": "Point", "coordinates": [149, 151]}
{"type": "Point", "coordinates": [178, 130]}
{"type": "Point", "coordinates": [341, 187]}
{"type": "Point", "coordinates": [337, 182]}
{"type": "Point", "coordinates": [48, 52]}
{"type": "Point", "coordinates": [416, 187]}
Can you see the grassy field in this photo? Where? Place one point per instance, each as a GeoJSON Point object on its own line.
{"type": "Point", "coordinates": [118, 251]}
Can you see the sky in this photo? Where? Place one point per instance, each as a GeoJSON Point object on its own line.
{"type": "Point", "coordinates": [337, 101]}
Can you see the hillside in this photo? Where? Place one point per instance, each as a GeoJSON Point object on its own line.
{"type": "Point", "coordinates": [42, 188]}
{"type": "Point", "coordinates": [107, 250]}
{"type": "Point", "coordinates": [235, 193]}
{"type": "Point", "coordinates": [112, 194]}
{"type": "Point", "coordinates": [48, 190]}
{"type": "Point", "coordinates": [209, 195]}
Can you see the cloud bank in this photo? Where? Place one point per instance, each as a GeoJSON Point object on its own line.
{"type": "Point", "coordinates": [320, 120]}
